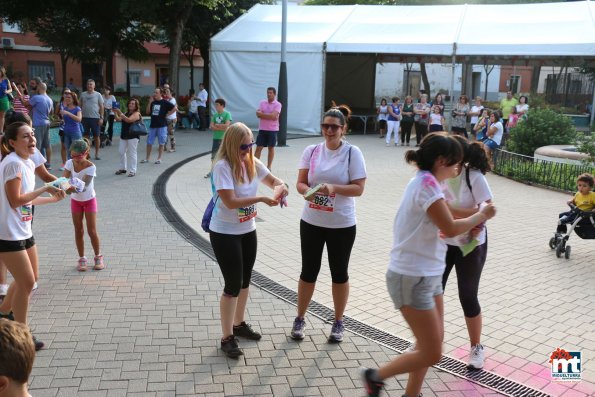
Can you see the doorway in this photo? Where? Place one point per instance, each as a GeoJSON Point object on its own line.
{"type": "Point", "coordinates": [476, 84]}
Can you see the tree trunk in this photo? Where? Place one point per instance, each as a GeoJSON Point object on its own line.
{"type": "Point", "coordinates": [191, 62]}
{"type": "Point", "coordinates": [175, 46]}
{"type": "Point", "coordinates": [204, 53]}
{"type": "Point", "coordinates": [109, 53]}
{"type": "Point", "coordinates": [488, 70]}
{"type": "Point", "coordinates": [63, 61]}
{"type": "Point", "coordinates": [424, 77]}
{"type": "Point", "coordinates": [535, 79]}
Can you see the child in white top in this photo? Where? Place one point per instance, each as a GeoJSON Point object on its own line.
{"type": "Point", "coordinates": [414, 276]}
{"type": "Point", "coordinates": [436, 120]}
{"type": "Point", "coordinates": [83, 204]}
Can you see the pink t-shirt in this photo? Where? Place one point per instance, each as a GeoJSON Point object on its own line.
{"type": "Point", "coordinates": [267, 107]}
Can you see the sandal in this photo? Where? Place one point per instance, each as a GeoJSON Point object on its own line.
{"type": "Point", "coordinates": [131, 174]}
{"type": "Point", "coordinates": [120, 172]}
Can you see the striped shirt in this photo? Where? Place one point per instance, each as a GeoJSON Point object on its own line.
{"type": "Point", "coordinates": [18, 105]}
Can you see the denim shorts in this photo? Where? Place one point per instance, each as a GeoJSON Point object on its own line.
{"type": "Point", "coordinates": [417, 292]}
{"type": "Point", "coordinates": [160, 133]}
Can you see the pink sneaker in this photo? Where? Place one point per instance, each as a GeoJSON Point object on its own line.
{"type": "Point", "coordinates": [98, 263]}
{"type": "Point", "coordinates": [82, 264]}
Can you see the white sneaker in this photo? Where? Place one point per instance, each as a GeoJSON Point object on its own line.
{"type": "Point", "coordinates": [476, 357]}
{"type": "Point", "coordinates": [34, 286]}
{"type": "Point", "coordinates": [3, 289]}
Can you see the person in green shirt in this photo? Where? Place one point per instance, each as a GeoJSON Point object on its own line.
{"type": "Point", "coordinates": [219, 123]}
{"type": "Point", "coordinates": [506, 105]}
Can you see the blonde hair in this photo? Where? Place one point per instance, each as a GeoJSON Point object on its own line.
{"type": "Point", "coordinates": [229, 151]}
{"type": "Point", "coordinates": [17, 351]}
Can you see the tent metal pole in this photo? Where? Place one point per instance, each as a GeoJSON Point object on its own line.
{"type": "Point", "coordinates": [452, 83]}
{"type": "Point", "coordinates": [283, 94]}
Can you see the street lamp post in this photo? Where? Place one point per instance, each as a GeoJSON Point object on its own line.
{"type": "Point", "coordinates": [282, 141]}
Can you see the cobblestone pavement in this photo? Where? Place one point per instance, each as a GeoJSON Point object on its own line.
{"type": "Point", "coordinates": [532, 301]}
{"type": "Point", "coordinates": [148, 325]}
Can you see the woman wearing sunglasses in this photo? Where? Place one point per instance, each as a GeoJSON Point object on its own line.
{"type": "Point", "coordinates": [337, 169]}
{"type": "Point", "coordinates": [235, 179]}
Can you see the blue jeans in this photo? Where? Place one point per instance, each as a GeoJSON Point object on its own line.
{"type": "Point", "coordinates": [194, 119]}
{"type": "Point", "coordinates": [70, 137]}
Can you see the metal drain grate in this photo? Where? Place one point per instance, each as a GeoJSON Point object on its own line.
{"type": "Point", "coordinates": [447, 364]}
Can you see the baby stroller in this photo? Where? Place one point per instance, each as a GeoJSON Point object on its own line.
{"type": "Point", "coordinates": [583, 225]}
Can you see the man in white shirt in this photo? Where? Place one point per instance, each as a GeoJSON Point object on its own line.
{"type": "Point", "coordinates": [203, 96]}
{"type": "Point", "coordinates": [172, 120]}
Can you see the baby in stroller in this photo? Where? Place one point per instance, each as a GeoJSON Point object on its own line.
{"type": "Point", "coordinates": [581, 216]}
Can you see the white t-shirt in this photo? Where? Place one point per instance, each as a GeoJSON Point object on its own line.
{"type": "Point", "coordinates": [458, 195]}
{"type": "Point", "coordinates": [500, 131]}
{"type": "Point", "coordinates": [36, 157]}
{"type": "Point", "coordinates": [16, 223]}
{"type": "Point", "coordinates": [417, 248]}
{"type": "Point", "coordinates": [108, 103]}
{"type": "Point", "coordinates": [524, 108]}
{"type": "Point", "coordinates": [475, 109]}
{"type": "Point", "coordinates": [383, 113]}
{"type": "Point", "coordinates": [89, 192]}
{"type": "Point", "coordinates": [238, 220]}
{"type": "Point", "coordinates": [334, 167]}
{"type": "Point", "coordinates": [174, 115]}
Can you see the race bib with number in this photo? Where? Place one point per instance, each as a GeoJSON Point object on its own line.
{"type": "Point", "coordinates": [246, 213]}
{"type": "Point", "coordinates": [323, 202]}
{"type": "Point", "coordinates": [26, 213]}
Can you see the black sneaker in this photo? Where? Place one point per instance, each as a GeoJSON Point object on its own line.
{"type": "Point", "coordinates": [373, 387]}
{"type": "Point", "coordinates": [230, 347]}
{"type": "Point", "coordinates": [8, 316]}
{"type": "Point", "coordinates": [38, 344]}
{"type": "Point", "coordinates": [245, 330]}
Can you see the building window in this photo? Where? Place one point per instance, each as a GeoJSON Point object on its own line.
{"type": "Point", "coordinates": [10, 28]}
{"type": "Point", "coordinates": [514, 84]}
{"type": "Point", "coordinates": [45, 71]}
{"type": "Point", "coordinates": [134, 76]}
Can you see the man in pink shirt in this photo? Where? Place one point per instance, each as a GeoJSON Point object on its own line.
{"type": "Point", "coordinates": [268, 126]}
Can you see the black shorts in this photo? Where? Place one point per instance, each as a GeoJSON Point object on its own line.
{"type": "Point", "coordinates": [19, 245]}
{"type": "Point", "coordinates": [382, 124]}
{"type": "Point", "coordinates": [266, 138]}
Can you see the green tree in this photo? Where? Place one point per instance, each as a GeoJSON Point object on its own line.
{"type": "Point", "coordinates": [85, 30]}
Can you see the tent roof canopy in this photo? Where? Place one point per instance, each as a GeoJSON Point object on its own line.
{"type": "Point", "coordinates": [523, 34]}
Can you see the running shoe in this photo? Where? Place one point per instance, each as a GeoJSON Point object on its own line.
{"type": "Point", "coordinates": [230, 347]}
{"type": "Point", "coordinates": [476, 357]}
{"type": "Point", "coordinates": [297, 332]}
{"type": "Point", "coordinates": [245, 330]}
{"type": "Point", "coordinates": [98, 260]}
{"type": "Point", "coordinates": [82, 264]}
{"type": "Point", "coordinates": [337, 332]}
{"type": "Point", "coordinates": [372, 385]}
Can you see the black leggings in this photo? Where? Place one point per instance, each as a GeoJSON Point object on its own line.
{"type": "Point", "coordinates": [421, 130]}
{"type": "Point", "coordinates": [235, 255]}
{"type": "Point", "coordinates": [339, 243]}
{"type": "Point", "coordinates": [406, 131]}
{"type": "Point", "coordinates": [468, 270]}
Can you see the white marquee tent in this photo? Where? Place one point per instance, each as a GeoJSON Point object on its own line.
{"type": "Point", "coordinates": [332, 51]}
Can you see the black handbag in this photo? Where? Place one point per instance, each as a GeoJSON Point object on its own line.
{"type": "Point", "coordinates": [138, 128]}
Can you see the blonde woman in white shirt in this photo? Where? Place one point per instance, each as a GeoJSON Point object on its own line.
{"type": "Point", "coordinates": [328, 217]}
{"type": "Point", "coordinates": [235, 178]}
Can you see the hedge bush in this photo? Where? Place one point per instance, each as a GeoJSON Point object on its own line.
{"type": "Point", "coordinates": [541, 128]}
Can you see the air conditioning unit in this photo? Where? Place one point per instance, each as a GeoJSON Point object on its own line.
{"type": "Point", "coordinates": [7, 42]}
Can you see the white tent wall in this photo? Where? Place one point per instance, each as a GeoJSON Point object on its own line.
{"type": "Point", "coordinates": [241, 78]}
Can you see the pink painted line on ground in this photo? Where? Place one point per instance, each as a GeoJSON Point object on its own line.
{"type": "Point", "coordinates": [528, 373]}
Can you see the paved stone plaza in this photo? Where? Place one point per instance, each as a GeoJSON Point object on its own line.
{"type": "Point", "coordinates": [148, 325]}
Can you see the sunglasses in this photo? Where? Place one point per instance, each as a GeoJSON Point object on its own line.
{"type": "Point", "coordinates": [333, 127]}
{"type": "Point", "coordinates": [79, 155]}
{"type": "Point", "coordinates": [246, 146]}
